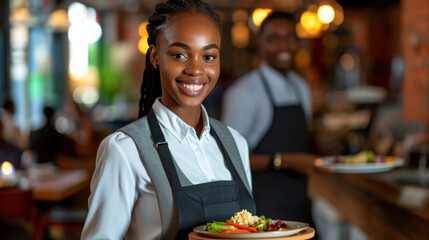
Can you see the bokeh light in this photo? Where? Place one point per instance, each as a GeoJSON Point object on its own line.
{"type": "Point", "coordinates": [6, 168]}
{"type": "Point", "coordinates": [325, 14]}
{"type": "Point", "coordinates": [143, 45]}
{"type": "Point", "coordinates": [240, 35]}
{"type": "Point", "coordinates": [240, 16]}
{"type": "Point", "coordinates": [259, 14]}
{"type": "Point", "coordinates": [310, 23]}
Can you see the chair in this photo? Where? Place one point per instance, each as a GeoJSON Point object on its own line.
{"type": "Point", "coordinates": [17, 204]}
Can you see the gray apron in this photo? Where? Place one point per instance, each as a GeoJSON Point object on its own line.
{"type": "Point", "coordinates": [201, 203]}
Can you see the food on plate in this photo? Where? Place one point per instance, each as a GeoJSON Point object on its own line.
{"type": "Point", "coordinates": [365, 156]}
{"type": "Point", "coordinates": [245, 218]}
{"type": "Point", "coordinates": [245, 222]}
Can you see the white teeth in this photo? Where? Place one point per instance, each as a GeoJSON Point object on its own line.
{"type": "Point", "coordinates": [192, 87]}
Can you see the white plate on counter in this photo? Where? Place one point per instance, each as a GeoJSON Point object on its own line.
{"type": "Point", "coordinates": [328, 164]}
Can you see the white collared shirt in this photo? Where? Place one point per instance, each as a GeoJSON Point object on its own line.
{"type": "Point", "coordinates": [123, 201]}
{"type": "Point", "coordinates": [246, 106]}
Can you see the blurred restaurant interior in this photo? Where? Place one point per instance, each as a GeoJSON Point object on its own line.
{"type": "Point", "coordinates": [366, 62]}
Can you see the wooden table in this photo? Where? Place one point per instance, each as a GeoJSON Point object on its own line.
{"type": "Point", "coordinates": [60, 186]}
{"type": "Point", "coordinates": [50, 190]}
{"type": "Point", "coordinates": [371, 204]}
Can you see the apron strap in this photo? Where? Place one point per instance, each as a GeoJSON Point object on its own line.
{"type": "Point", "coordinates": [140, 133]}
{"type": "Point", "coordinates": [164, 153]}
{"type": "Point", "coordinates": [271, 95]}
{"type": "Point", "coordinates": [228, 142]}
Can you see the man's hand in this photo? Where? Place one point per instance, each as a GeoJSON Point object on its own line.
{"type": "Point", "coordinates": [302, 163]}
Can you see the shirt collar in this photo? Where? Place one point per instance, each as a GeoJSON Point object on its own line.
{"type": "Point", "coordinates": [175, 125]}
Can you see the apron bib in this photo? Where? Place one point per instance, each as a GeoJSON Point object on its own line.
{"type": "Point", "coordinates": [201, 203]}
{"type": "Point", "coordinates": [283, 194]}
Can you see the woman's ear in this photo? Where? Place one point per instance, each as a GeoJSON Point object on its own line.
{"type": "Point", "coordinates": [154, 56]}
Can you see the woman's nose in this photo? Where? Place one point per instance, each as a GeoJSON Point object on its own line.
{"type": "Point", "coordinates": [194, 68]}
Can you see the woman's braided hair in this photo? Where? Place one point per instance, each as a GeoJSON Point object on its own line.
{"type": "Point", "coordinates": [151, 85]}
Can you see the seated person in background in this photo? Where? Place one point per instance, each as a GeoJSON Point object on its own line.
{"type": "Point", "coordinates": [9, 152]}
{"type": "Point", "coordinates": [78, 127]}
{"type": "Point", "coordinates": [11, 132]}
{"type": "Point", "coordinates": [271, 108]}
{"type": "Point", "coordinates": [46, 142]}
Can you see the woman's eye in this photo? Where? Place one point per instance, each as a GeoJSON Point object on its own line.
{"type": "Point", "coordinates": [179, 56]}
{"type": "Point", "coordinates": [209, 58]}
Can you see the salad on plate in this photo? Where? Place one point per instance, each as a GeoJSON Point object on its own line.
{"type": "Point", "coordinates": [245, 222]}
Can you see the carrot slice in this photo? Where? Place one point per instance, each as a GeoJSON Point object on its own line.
{"type": "Point", "coordinates": [226, 230]}
{"type": "Point", "coordinates": [250, 229]}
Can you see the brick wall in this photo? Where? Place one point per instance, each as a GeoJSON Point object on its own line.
{"type": "Point", "coordinates": [415, 42]}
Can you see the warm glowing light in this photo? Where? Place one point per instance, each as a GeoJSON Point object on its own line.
{"type": "Point", "coordinates": [143, 30]}
{"type": "Point", "coordinates": [240, 16]}
{"type": "Point", "coordinates": [310, 22]}
{"type": "Point", "coordinates": [20, 15]}
{"type": "Point", "coordinates": [325, 14]}
{"type": "Point", "coordinates": [59, 19]}
{"type": "Point", "coordinates": [143, 45]}
{"type": "Point", "coordinates": [321, 18]}
{"type": "Point", "coordinates": [7, 168]}
{"type": "Point", "coordinates": [240, 35]}
{"type": "Point", "coordinates": [259, 15]}
{"type": "Point", "coordinates": [301, 32]}
{"type": "Point", "coordinates": [347, 61]}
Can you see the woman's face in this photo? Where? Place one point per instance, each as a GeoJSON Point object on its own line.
{"type": "Point", "coordinates": [188, 60]}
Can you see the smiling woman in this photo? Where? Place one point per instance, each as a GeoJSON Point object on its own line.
{"type": "Point", "coordinates": [175, 167]}
{"type": "Point", "coordinates": [188, 60]}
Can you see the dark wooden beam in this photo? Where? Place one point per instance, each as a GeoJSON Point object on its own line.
{"type": "Point", "coordinates": [4, 50]}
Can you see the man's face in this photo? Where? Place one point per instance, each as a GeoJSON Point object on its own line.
{"type": "Point", "coordinates": [278, 44]}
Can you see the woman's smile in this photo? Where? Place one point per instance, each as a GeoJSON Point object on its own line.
{"type": "Point", "coordinates": [191, 88]}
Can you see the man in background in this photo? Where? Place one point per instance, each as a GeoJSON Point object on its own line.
{"type": "Point", "coordinates": [271, 108]}
{"type": "Point", "coordinates": [11, 132]}
{"type": "Point", "coordinates": [8, 151]}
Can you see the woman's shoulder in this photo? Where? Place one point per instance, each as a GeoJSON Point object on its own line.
{"type": "Point", "coordinates": [116, 138]}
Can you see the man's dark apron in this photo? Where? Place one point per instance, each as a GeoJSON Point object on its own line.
{"type": "Point", "coordinates": [283, 194]}
{"type": "Point", "coordinates": [201, 203]}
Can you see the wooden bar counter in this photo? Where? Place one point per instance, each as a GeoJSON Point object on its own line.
{"type": "Point", "coordinates": [372, 204]}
